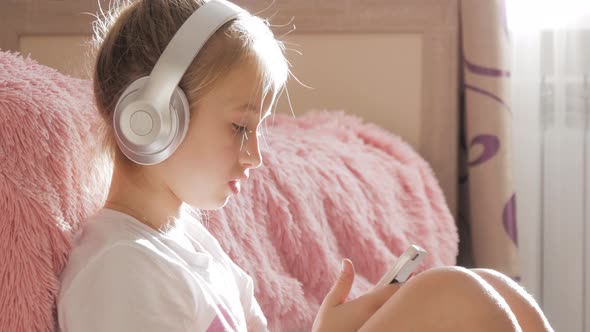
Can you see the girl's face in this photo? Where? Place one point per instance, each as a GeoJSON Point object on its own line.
{"type": "Point", "coordinates": [215, 150]}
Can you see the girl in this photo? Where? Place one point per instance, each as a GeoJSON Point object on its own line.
{"type": "Point", "coordinates": [142, 263]}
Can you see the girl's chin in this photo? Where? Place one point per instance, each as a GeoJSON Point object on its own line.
{"type": "Point", "coordinates": [225, 202]}
{"type": "Point", "coordinates": [222, 202]}
{"type": "Point", "coordinates": [213, 203]}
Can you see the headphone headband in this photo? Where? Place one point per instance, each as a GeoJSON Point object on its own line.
{"type": "Point", "coordinates": [184, 47]}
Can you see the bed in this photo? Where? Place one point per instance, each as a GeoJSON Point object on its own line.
{"type": "Point", "coordinates": [390, 63]}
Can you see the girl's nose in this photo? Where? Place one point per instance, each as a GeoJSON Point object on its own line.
{"type": "Point", "coordinates": [251, 156]}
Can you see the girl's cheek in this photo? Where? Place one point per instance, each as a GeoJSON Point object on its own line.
{"type": "Point", "coordinates": [231, 145]}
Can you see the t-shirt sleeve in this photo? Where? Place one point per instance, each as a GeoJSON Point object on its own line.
{"type": "Point", "coordinates": [255, 319]}
{"type": "Point", "coordinates": [126, 288]}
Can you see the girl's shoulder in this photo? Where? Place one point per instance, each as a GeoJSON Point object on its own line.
{"type": "Point", "coordinates": [110, 236]}
{"type": "Point", "coordinates": [127, 284]}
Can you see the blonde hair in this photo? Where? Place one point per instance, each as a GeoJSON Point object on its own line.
{"type": "Point", "coordinates": [130, 37]}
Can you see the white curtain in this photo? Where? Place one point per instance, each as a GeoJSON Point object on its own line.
{"type": "Point", "coordinates": [551, 102]}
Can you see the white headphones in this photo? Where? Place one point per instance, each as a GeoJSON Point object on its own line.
{"type": "Point", "coordinates": [152, 115]}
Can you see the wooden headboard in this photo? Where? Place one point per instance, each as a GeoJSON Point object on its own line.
{"type": "Point", "coordinates": [393, 62]}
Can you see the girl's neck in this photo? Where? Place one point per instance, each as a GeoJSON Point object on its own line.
{"type": "Point", "coordinates": [153, 206]}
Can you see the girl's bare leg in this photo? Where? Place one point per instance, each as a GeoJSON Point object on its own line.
{"type": "Point", "coordinates": [447, 298]}
{"type": "Point", "coordinates": [528, 313]}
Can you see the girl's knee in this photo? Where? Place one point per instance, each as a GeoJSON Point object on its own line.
{"type": "Point", "coordinates": [463, 291]}
{"type": "Point", "coordinates": [447, 276]}
{"type": "Point", "coordinates": [500, 280]}
{"type": "Point", "coordinates": [460, 276]}
{"type": "Point", "coordinates": [522, 303]}
{"type": "Point", "coordinates": [490, 273]}
{"type": "Point", "coordinates": [456, 282]}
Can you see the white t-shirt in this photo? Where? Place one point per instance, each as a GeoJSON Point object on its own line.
{"type": "Point", "coordinates": [123, 275]}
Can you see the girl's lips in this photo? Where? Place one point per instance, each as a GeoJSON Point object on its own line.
{"type": "Point", "coordinates": [235, 186]}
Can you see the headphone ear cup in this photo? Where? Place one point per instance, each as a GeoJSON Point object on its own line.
{"type": "Point", "coordinates": [140, 131]}
{"type": "Point", "coordinates": [179, 105]}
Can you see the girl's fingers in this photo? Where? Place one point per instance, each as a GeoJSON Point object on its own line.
{"type": "Point", "coordinates": [380, 295]}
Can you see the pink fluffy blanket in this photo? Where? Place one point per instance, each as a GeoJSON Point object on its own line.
{"type": "Point", "coordinates": [331, 187]}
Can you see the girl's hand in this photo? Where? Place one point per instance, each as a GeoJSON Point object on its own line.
{"type": "Point", "coordinates": [336, 314]}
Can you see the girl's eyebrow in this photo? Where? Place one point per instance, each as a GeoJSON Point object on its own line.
{"type": "Point", "coordinates": [249, 107]}
{"type": "Point", "coordinates": [253, 109]}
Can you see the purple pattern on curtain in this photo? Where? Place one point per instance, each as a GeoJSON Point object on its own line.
{"type": "Point", "coordinates": [487, 94]}
{"type": "Point", "coordinates": [509, 219]}
{"type": "Point", "coordinates": [486, 71]}
{"type": "Point", "coordinates": [491, 145]}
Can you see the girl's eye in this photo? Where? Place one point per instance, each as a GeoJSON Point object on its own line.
{"type": "Point", "coordinates": [239, 128]}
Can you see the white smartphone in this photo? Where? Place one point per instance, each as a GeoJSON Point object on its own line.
{"type": "Point", "coordinates": [404, 267]}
